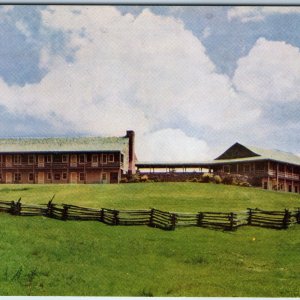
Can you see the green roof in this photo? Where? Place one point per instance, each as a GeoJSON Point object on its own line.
{"type": "Point", "coordinates": [76, 144]}
{"type": "Point", "coordinates": [264, 154]}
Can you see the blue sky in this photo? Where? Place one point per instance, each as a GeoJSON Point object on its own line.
{"type": "Point", "coordinates": [190, 80]}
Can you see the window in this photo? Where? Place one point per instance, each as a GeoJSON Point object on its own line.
{"type": "Point", "coordinates": [30, 159]}
{"type": "Point", "coordinates": [104, 176]}
{"type": "Point", "coordinates": [111, 158]}
{"type": "Point", "coordinates": [246, 168]}
{"type": "Point", "coordinates": [81, 158]}
{"type": "Point", "coordinates": [64, 176]}
{"type": "Point", "coordinates": [17, 176]}
{"type": "Point", "coordinates": [104, 158]}
{"type": "Point", "coordinates": [64, 158]}
{"type": "Point", "coordinates": [30, 177]}
{"type": "Point", "coordinates": [56, 176]}
{"type": "Point", "coordinates": [17, 159]}
{"type": "Point", "coordinates": [81, 176]}
{"type": "Point", "coordinates": [49, 176]}
{"type": "Point", "coordinates": [95, 158]}
{"type": "Point", "coordinates": [226, 169]}
{"type": "Point", "coordinates": [56, 158]}
{"type": "Point", "coordinates": [122, 158]}
{"type": "Point", "coordinates": [49, 158]}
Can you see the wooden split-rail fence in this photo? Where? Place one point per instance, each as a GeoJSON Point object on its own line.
{"type": "Point", "coordinates": [157, 218]}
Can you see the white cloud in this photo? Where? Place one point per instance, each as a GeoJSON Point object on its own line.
{"type": "Point", "coordinates": [23, 28]}
{"type": "Point", "coordinates": [129, 72]}
{"type": "Point", "coordinates": [259, 13]}
{"type": "Point", "coordinates": [206, 32]}
{"type": "Point", "coordinates": [172, 145]}
{"type": "Point", "coordinates": [269, 73]}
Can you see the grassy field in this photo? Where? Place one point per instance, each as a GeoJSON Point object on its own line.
{"type": "Point", "coordinates": [41, 256]}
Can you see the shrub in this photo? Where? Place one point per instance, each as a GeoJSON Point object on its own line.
{"type": "Point", "coordinates": [217, 179]}
{"type": "Point", "coordinates": [144, 178]}
{"type": "Point", "coordinates": [207, 177]}
{"type": "Point", "coordinates": [228, 179]}
{"type": "Point", "coordinates": [245, 183]}
{"type": "Point", "coordinates": [193, 180]}
{"type": "Point", "coordinates": [124, 180]}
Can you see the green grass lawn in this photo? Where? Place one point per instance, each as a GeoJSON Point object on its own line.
{"type": "Point", "coordinates": [41, 256]}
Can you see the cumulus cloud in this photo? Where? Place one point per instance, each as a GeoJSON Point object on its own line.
{"type": "Point", "coordinates": [172, 145]}
{"type": "Point", "coordinates": [128, 72]}
{"type": "Point", "coordinates": [147, 72]}
{"type": "Point", "coordinates": [259, 13]}
{"type": "Point", "coordinates": [269, 73]}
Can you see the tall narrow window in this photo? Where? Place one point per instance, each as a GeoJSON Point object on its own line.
{"type": "Point", "coordinates": [30, 177]}
{"type": "Point", "coordinates": [111, 158]}
{"type": "Point", "coordinates": [17, 177]}
{"type": "Point", "coordinates": [81, 176]}
{"type": "Point", "coordinates": [17, 159]}
{"type": "Point", "coordinates": [30, 159]}
{"type": "Point", "coordinates": [64, 158]}
{"type": "Point", "coordinates": [104, 158]}
{"type": "Point", "coordinates": [81, 158]}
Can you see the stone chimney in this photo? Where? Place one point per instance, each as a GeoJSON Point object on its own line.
{"type": "Point", "coordinates": [131, 165]}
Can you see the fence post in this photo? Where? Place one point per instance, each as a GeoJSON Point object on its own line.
{"type": "Point", "coordinates": [173, 221]}
{"type": "Point", "coordinates": [286, 219]}
{"type": "Point", "coordinates": [65, 212]}
{"type": "Point", "coordinates": [151, 223]}
{"type": "Point", "coordinates": [231, 219]}
{"type": "Point", "coordinates": [15, 207]}
{"type": "Point", "coordinates": [298, 216]}
{"type": "Point", "coordinates": [116, 217]}
{"type": "Point", "coordinates": [249, 221]}
{"type": "Point", "coordinates": [49, 211]}
{"type": "Point", "coordinates": [102, 215]}
{"type": "Point", "coordinates": [200, 219]}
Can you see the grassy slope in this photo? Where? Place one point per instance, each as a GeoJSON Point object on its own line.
{"type": "Point", "coordinates": [40, 256]}
{"type": "Point", "coordinates": [189, 197]}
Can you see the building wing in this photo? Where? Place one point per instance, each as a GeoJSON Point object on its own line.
{"type": "Point", "coordinates": [239, 152]}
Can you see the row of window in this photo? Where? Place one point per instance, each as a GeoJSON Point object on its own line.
{"type": "Point", "coordinates": [56, 176]}
{"type": "Point", "coordinates": [82, 158]}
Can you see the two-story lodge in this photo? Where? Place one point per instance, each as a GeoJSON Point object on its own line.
{"type": "Point", "coordinates": [268, 169]}
{"type": "Point", "coordinates": [67, 160]}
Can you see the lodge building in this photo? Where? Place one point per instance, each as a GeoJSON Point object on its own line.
{"type": "Point", "coordinates": [67, 160]}
{"type": "Point", "coordinates": [268, 169]}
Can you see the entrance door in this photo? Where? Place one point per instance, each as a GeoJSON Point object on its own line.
{"type": "Point", "coordinates": [104, 178]}
{"type": "Point", "coordinates": [41, 177]}
{"type": "Point", "coordinates": [73, 177]}
{"type": "Point", "coordinates": [9, 177]}
{"type": "Point", "coordinates": [114, 177]}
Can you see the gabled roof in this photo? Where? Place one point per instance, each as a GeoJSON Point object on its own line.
{"type": "Point", "coordinates": [250, 153]}
{"type": "Point", "coordinates": [69, 144]}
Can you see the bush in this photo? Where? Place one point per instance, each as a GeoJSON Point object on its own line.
{"type": "Point", "coordinates": [193, 180]}
{"type": "Point", "coordinates": [245, 183]}
{"type": "Point", "coordinates": [144, 178]}
{"type": "Point", "coordinates": [207, 177]}
{"type": "Point", "coordinates": [217, 179]}
{"type": "Point", "coordinates": [228, 179]}
{"type": "Point", "coordinates": [124, 180]}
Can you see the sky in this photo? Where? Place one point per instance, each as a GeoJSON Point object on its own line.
{"type": "Point", "coordinates": [189, 80]}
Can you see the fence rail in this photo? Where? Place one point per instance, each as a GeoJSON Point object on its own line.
{"type": "Point", "coordinates": [280, 219]}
